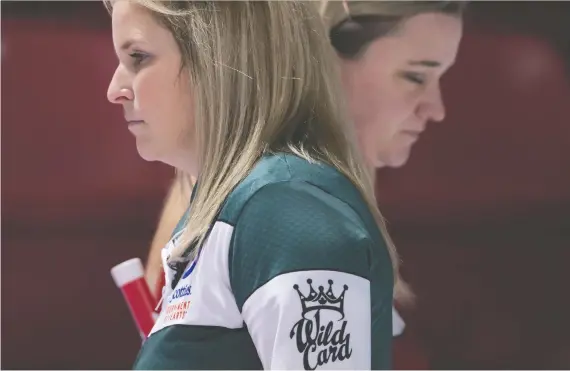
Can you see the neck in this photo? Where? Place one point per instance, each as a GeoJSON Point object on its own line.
{"type": "Point", "coordinates": [373, 169]}
{"type": "Point", "coordinates": [187, 168]}
{"type": "Point", "coordinates": [373, 165]}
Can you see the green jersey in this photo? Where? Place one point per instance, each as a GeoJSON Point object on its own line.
{"type": "Point", "coordinates": [294, 274]}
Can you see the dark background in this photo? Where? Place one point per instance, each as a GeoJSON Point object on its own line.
{"type": "Point", "coordinates": [481, 214]}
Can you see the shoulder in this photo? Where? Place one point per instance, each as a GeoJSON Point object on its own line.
{"type": "Point", "coordinates": [269, 170]}
{"type": "Point", "coordinates": [290, 227]}
{"type": "Point", "coordinates": [297, 210]}
{"type": "Point", "coordinates": [290, 196]}
{"type": "Point", "coordinates": [280, 177]}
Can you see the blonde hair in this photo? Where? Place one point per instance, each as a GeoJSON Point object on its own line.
{"type": "Point", "coordinates": [265, 80]}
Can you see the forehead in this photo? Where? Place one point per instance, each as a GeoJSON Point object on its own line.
{"type": "Point", "coordinates": [133, 24]}
{"type": "Point", "coordinates": [430, 36]}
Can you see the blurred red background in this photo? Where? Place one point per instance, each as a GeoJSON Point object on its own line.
{"type": "Point", "coordinates": [481, 213]}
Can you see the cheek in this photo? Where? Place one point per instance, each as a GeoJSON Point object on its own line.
{"type": "Point", "coordinates": [148, 91]}
{"type": "Point", "coordinates": [378, 103]}
{"type": "Point", "coordinates": [388, 111]}
{"type": "Point", "coordinates": [397, 107]}
{"type": "Point", "coordinates": [182, 104]}
{"type": "Point", "coordinates": [161, 99]}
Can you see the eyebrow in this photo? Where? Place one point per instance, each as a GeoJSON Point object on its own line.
{"type": "Point", "coordinates": [425, 63]}
{"type": "Point", "coordinates": [127, 44]}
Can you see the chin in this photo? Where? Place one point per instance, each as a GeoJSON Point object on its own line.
{"type": "Point", "coordinates": [395, 159]}
{"type": "Point", "coordinates": [145, 153]}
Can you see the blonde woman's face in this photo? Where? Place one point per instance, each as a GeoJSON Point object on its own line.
{"type": "Point", "coordinates": [155, 96]}
{"type": "Point", "coordinates": [394, 87]}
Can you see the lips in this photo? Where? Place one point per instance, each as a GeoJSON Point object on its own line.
{"type": "Point", "coordinates": [415, 133]}
{"type": "Point", "coordinates": [132, 119]}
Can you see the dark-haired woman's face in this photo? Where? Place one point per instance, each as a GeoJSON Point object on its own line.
{"type": "Point", "coordinates": [394, 87]}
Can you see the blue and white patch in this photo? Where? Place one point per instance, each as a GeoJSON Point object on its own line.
{"type": "Point", "coordinates": [203, 295]}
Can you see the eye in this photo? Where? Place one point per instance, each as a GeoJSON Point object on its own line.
{"type": "Point", "coordinates": [138, 58]}
{"type": "Point", "coordinates": [414, 77]}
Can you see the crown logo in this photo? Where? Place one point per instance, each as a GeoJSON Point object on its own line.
{"type": "Point", "coordinates": [316, 301]}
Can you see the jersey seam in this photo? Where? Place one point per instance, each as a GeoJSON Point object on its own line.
{"type": "Point", "coordinates": [284, 158]}
{"type": "Point", "coordinates": [174, 325]}
{"type": "Point", "coordinates": [347, 204]}
{"type": "Point", "coordinates": [222, 220]}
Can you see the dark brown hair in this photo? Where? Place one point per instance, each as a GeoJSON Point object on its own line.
{"type": "Point", "coordinates": [357, 23]}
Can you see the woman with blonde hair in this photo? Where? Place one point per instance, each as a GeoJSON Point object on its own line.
{"type": "Point", "coordinates": [281, 259]}
{"type": "Point", "coordinates": [392, 57]}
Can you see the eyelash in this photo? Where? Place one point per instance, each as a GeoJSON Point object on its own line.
{"type": "Point", "coordinates": [414, 78]}
{"type": "Point", "coordinates": [138, 58]}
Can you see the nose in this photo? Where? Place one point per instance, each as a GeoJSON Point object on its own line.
{"type": "Point", "coordinates": [119, 90]}
{"type": "Point", "coordinates": [432, 108]}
